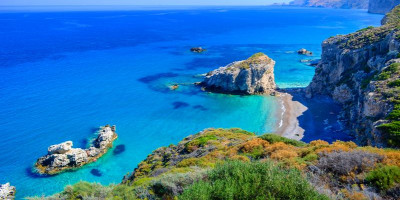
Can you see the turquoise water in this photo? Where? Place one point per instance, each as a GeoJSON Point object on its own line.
{"type": "Point", "coordinates": [63, 74]}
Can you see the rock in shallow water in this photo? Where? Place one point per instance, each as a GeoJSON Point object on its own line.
{"type": "Point", "coordinates": [304, 52]}
{"type": "Point", "coordinates": [252, 76]}
{"type": "Point", "coordinates": [62, 156]}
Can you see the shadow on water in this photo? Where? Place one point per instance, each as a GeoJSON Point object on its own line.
{"type": "Point", "coordinates": [200, 107]}
{"type": "Point", "coordinates": [179, 104]}
{"type": "Point", "coordinates": [119, 149]}
{"type": "Point", "coordinates": [321, 120]}
{"type": "Point", "coordinates": [155, 77]}
{"type": "Point", "coordinates": [96, 172]}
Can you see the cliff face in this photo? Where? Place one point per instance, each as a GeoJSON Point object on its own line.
{"type": "Point", "coordinates": [252, 76]}
{"type": "Point", "coordinates": [350, 71]}
{"type": "Point", "coordinates": [352, 4]}
{"type": "Point", "coordinates": [382, 6]}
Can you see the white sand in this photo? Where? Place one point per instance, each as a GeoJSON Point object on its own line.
{"type": "Point", "coordinates": [290, 110]}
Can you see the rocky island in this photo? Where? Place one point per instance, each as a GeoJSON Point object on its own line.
{"type": "Point", "coordinates": [252, 76]}
{"type": "Point", "coordinates": [61, 157]}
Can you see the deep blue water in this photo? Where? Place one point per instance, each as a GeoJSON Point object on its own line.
{"type": "Point", "coordinates": [63, 74]}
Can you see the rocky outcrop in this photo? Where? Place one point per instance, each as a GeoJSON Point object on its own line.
{"type": "Point", "coordinates": [348, 4]}
{"type": "Point", "coordinates": [350, 72]}
{"type": "Point", "coordinates": [252, 76]}
{"type": "Point", "coordinates": [7, 191]}
{"type": "Point", "coordinates": [197, 49]}
{"type": "Point", "coordinates": [61, 157]}
{"type": "Point", "coordinates": [304, 52]}
{"type": "Point", "coordinates": [382, 6]}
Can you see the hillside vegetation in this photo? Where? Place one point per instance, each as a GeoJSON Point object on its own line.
{"type": "Point", "coordinates": [232, 163]}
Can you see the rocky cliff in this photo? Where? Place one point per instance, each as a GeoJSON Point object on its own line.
{"type": "Point", "coordinates": [352, 4]}
{"type": "Point", "coordinates": [61, 157]}
{"type": "Point", "coordinates": [358, 71]}
{"type": "Point", "coordinates": [252, 76]}
{"type": "Point", "coordinates": [382, 6]}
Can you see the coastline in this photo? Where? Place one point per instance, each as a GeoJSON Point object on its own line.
{"type": "Point", "coordinates": [287, 114]}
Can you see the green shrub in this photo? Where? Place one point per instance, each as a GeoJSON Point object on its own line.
{"type": "Point", "coordinates": [395, 83]}
{"type": "Point", "coordinates": [383, 76]}
{"type": "Point", "coordinates": [272, 138]}
{"type": "Point", "coordinates": [200, 141]}
{"type": "Point", "coordinates": [238, 130]}
{"type": "Point", "coordinates": [393, 131]}
{"type": "Point", "coordinates": [310, 157]}
{"type": "Point", "coordinates": [384, 177]}
{"type": "Point", "coordinates": [251, 180]}
{"type": "Point", "coordinates": [393, 68]}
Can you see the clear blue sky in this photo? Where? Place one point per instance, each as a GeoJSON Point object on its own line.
{"type": "Point", "coordinates": [138, 2]}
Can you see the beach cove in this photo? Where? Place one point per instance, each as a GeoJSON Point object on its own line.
{"type": "Point", "coordinates": [72, 85]}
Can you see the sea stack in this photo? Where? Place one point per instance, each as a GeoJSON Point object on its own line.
{"type": "Point", "coordinates": [252, 76]}
{"type": "Point", "coordinates": [61, 157]}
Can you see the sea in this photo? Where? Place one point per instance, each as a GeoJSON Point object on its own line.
{"type": "Point", "coordinates": [66, 72]}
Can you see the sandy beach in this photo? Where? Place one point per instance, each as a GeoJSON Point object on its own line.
{"type": "Point", "coordinates": [288, 113]}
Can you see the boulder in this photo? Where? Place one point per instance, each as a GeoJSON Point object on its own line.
{"type": "Point", "coordinates": [252, 76]}
{"type": "Point", "coordinates": [60, 148]}
{"type": "Point", "coordinates": [7, 191]}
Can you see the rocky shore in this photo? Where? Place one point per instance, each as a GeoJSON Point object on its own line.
{"type": "Point", "coordinates": [252, 76]}
{"type": "Point", "coordinates": [61, 157]}
{"type": "Point", "coordinates": [7, 191]}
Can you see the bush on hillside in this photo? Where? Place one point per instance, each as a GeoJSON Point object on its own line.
{"type": "Point", "coordinates": [272, 138]}
{"type": "Point", "coordinates": [344, 163]}
{"type": "Point", "coordinates": [385, 177]}
{"type": "Point", "coordinates": [251, 180]}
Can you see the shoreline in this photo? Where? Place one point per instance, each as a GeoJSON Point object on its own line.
{"type": "Point", "coordinates": [288, 114]}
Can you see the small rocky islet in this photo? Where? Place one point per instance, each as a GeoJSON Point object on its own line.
{"type": "Point", "coordinates": [252, 76]}
{"type": "Point", "coordinates": [61, 157]}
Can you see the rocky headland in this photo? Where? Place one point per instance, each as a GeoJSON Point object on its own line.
{"type": "Point", "coordinates": [382, 6]}
{"type": "Point", "coordinates": [7, 191]}
{"type": "Point", "coordinates": [252, 76]}
{"type": "Point", "coordinates": [61, 157]}
{"type": "Point", "coordinates": [361, 71]}
{"type": "Point", "coordinates": [347, 4]}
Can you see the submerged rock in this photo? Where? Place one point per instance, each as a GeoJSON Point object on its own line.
{"type": "Point", "coordinates": [197, 49]}
{"type": "Point", "coordinates": [62, 156]}
{"type": "Point", "coordinates": [7, 191]}
{"type": "Point", "coordinates": [174, 87]}
{"type": "Point", "coordinates": [252, 76]}
{"type": "Point", "coordinates": [304, 52]}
